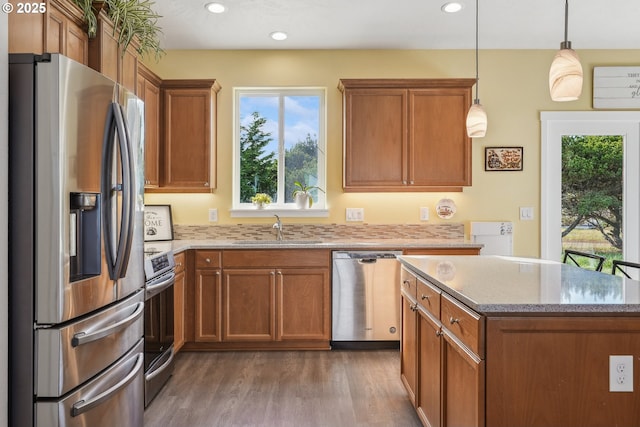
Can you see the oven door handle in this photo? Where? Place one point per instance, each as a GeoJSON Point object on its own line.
{"type": "Point", "coordinates": [83, 337]}
{"type": "Point", "coordinates": [157, 287]}
{"type": "Point", "coordinates": [83, 406]}
{"type": "Point", "coordinates": [162, 367]}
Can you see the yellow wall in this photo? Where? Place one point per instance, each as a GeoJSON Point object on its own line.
{"type": "Point", "coordinates": [513, 89]}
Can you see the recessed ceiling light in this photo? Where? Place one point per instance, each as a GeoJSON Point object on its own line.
{"type": "Point", "coordinates": [215, 7]}
{"type": "Point", "coordinates": [278, 35]}
{"type": "Point", "coordinates": [452, 7]}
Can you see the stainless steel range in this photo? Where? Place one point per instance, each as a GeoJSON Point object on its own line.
{"type": "Point", "coordinates": [158, 322]}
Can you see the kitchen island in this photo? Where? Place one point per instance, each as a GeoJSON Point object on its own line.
{"type": "Point", "coordinates": [501, 341]}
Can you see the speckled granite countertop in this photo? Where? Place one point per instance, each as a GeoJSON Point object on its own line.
{"type": "Point", "coordinates": [181, 245]}
{"type": "Point", "coordinates": [493, 285]}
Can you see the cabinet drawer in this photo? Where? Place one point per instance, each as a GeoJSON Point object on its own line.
{"type": "Point", "coordinates": [207, 259]}
{"type": "Point", "coordinates": [464, 324]}
{"type": "Point", "coordinates": [179, 260]}
{"type": "Point", "coordinates": [408, 282]}
{"type": "Point", "coordinates": [428, 297]}
{"type": "Point", "coordinates": [276, 258]}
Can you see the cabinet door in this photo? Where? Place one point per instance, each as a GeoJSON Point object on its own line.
{"type": "Point", "coordinates": [249, 305]}
{"type": "Point", "coordinates": [463, 385]}
{"type": "Point", "coordinates": [188, 115]}
{"type": "Point", "coordinates": [129, 68]}
{"type": "Point", "coordinates": [149, 92]}
{"type": "Point", "coordinates": [409, 346]}
{"type": "Point", "coordinates": [429, 397]}
{"type": "Point", "coordinates": [439, 149]}
{"type": "Point", "coordinates": [375, 150]}
{"type": "Point", "coordinates": [103, 55]}
{"type": "Point", "coordinates": [178, 310]}
{"type": "Point", "coordinates": [208, 305]}
{"type": "Point", "coordinates": [303, 304]}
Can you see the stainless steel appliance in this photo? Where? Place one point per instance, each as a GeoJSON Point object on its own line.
{"type": "Point", "coordinates": [365, 299]}
{"type": "Point", "coordinates": [76, 273]}
{"type": "Point", "coordinates": [158, 322]}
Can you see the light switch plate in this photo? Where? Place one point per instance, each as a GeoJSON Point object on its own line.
{"type": "Point", "coordinates": [526, 214]}
{"type": "Point", "coordinates": [355, 214]}
{"type": "Point", "coordinates": [213, 215]}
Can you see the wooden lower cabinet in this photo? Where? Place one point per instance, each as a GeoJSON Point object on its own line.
{"type": "Point", "coordinates": [462, 385]}
{"type": "Point", "coordinates": [249, 305]}
{"type": "Point", "coordinates": [262, 299]}
{"type": "Point", "coordinates": [429, 400]}
{"type": "Point", "coordinates": [179, 302]}
{"type": "Point", "coordinates": [444, 378]}
{"type": "Point", "coordinates": [409, 346]}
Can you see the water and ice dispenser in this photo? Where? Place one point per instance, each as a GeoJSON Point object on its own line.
{"type": "Point", "coordinates": [84, 235]}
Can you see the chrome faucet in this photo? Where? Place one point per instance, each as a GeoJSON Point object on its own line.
{"type": "Point", "coordinates": [278, 226]}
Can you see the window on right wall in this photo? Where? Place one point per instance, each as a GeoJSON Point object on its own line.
{"type": "Point", "coordinates": [279, 139]}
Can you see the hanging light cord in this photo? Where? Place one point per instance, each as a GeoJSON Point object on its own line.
{"type": "Point", "coordinates": [566, 44]}
{"type": "Point", "coordinates": [477, 100]}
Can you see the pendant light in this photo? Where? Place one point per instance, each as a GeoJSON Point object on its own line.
{"type": "Point", "coordinates": [565, 75]}
{"type": "Point", "coordinates": [476, 117]}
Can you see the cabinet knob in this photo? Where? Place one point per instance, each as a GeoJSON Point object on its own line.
{"type": "Point", "coordinates": [406, 283]}
{"type": "Point", "coordinates": [207, 260]}
{"type": "Point", "coordinates": [453, 320]}
{"type": "Point", "coordinates": [411, 182]}
{"type": "Point", "coordinates": [217, 273]}
{"type": "Point", "coordinates": [206, 184]}
{"type": "Point", "coordinates": [424, 297]}
{"type": "Point", "coordinates": [439, 333]}
{"type": "Point", "coordinates": [414, 307]}
{"type": "Point", "coordinates": [404, 182]}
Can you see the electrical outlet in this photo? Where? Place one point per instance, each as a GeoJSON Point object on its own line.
{"type": "Point", "coordinates": [424, 214]}
{"type": "Point", "coordinates": [355, 214]}
{"type": "Point", "coordinates": [620, 373]}
{"type": "Point", "coordinates": [213, 215]}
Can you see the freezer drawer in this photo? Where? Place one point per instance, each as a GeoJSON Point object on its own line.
{"type": "Point", "coordinates": [69, 355]}
{"type": "Point", "coordinates": [114, 398]}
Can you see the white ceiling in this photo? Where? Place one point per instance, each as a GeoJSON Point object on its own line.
{"type": "Point", "coordinates": [399, 24]}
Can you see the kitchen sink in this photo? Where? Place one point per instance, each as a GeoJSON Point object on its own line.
{"type": "Point", "coordinates": [277, 242]}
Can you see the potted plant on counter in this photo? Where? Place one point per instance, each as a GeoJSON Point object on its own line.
{"type": "Point", "coordinates": [302, 194]}
{"type": "Point", "coordinates": [261, 200]}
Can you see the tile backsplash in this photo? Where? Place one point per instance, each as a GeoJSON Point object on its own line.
{"type": "Point", "coordinates": [319, 231]}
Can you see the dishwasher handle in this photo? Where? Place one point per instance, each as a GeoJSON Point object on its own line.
{"type": "Point", "coordinates": [367, 260]}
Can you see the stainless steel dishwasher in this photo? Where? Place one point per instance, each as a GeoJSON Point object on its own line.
{"type": "Point", "coordinates": [365, 299]}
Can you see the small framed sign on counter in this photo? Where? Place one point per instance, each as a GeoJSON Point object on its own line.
{"type": "Point", "coordinates": [616, 87]}
{"type": "Point", "coordinates": [158, 224]}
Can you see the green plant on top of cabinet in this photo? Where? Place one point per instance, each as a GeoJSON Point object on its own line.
{"type": "Point", "coordinates": [406, 134]}
{"type": "Point", "coordinates": [187, 137]}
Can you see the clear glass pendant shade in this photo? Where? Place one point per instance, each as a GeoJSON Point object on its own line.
{"type": "Point", "coordinates": [476, 121]}
{"type": "Point", "coordinates": [565, 76]}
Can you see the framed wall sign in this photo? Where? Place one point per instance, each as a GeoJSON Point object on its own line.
{"type": "Point", "coordinates": [503, 158]}
{"type": "Point", "coordinates": [158, 224]}
{"type": "Point", "coordinates": [616, 87]}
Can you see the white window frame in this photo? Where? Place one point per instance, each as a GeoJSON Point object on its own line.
{"type": "Point", "coordinates": [556, 124]}
{"type": "Point", "coordinates": [319, 208]}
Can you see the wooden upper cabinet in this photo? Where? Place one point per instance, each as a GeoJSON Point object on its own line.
{"type": "Point", "coordinates": [60, 29]}
{"type": "Point", "coordinates": [188, 144]}
{"type": "Point", "coordinates": [406, 134]}
{"type": "Point", "coordinates": [149, 92]}
{"type": "Point", "coordinates": [106, 56]}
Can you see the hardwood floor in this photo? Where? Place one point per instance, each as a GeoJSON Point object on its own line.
{"type": "Point", "coordinates": [284, 389]}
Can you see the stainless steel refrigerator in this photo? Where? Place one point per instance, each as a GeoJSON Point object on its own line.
{"type": "Point", "coordinates": [76, 274]}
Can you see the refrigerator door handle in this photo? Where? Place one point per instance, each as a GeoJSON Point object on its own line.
{"type": "Point", "coordinates": [81, 338]}
{"type": "Point", "coordinates": [83, 406]}
{"type": "Point", "coordinates": [128, 196]}
{"type": "Point", "coordinates": [118, 259]}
